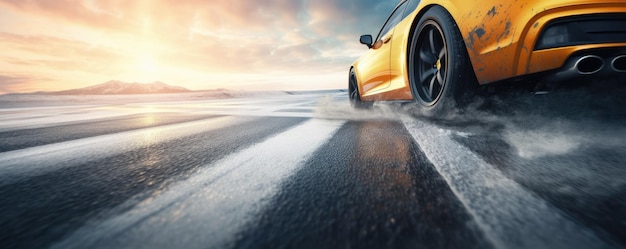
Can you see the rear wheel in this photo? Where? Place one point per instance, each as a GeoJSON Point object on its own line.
{"type": "Point", "coordinates": [440, 72]}
{"type": "Point", "coordinates": [354, 94]}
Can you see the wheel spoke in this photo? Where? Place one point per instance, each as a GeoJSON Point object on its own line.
{"type": "Point", "coordinates": [439, 78]}
{"type": "Point", "coordinates": [428, 74]}
{"type": "Point", "coordinates": [354, 96]}
{"type": "Point", "coordinates": [442, 54]}
{"type": "Point", "coordinates": [431, 41]}
{"type": "Point", "coordinates": [355, 91]}
{"type": "Point", "coordinates": [427, 57]}
{"type": "Point", "coordinates": [431, 87]}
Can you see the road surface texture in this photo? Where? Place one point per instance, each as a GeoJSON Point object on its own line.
{"type": "Point", "coordinates": [304, 170]}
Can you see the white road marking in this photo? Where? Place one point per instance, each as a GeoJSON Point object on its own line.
{"type": "Point", "coordinates": [18, 164]}
{"type": "Point", "coordinates": [23, 118]}
{"type": "Point", "coordinates": [254, 113]}
{"type": "Point", "coordinates": [509, 216]}
{"type": "Point", "coordinates": [206, 210]}
{"type": "Point", "coordinates": [45, 116]}
{"type": "Point", "coordinates": [15, 165]}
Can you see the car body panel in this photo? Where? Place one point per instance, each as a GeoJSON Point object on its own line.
{"type": "Point", "coordinates": [500, 37]}
{"type": "Point", "coordinates": [396, 74]}
{"type": "Point", "coordinates": [377, 76]}
{"type": "Point", "coordinates": [376, 64]}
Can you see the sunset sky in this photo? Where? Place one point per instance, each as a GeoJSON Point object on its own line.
{"type": "Point", "coordinates": [50, 45]}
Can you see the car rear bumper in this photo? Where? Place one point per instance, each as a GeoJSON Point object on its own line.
{"type": "Point", "coordinates": [605, 61]}
{"type": "Point", "coordinates": [589, 38]}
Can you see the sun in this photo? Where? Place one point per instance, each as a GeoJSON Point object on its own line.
{"type": "Point", "coordinates": [147, 68]}
{"type": "Point", "coordinates": [147, 64]}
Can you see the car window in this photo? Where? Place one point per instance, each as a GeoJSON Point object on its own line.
{"type": "Point", "coordinates": [410, 7]}
{"type": "Point", "coordinates": [394, 19]}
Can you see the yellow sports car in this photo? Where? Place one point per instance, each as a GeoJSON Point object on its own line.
{"type": "Point", "coordinates": [436, 51]}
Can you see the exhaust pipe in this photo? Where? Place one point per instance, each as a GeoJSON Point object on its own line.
{"type": "Point", "coordinates": [585, 65]}
{"type": "Point", "coordinates": [591, 64]}
{"type": "Point", "coordinates": [619, 63]}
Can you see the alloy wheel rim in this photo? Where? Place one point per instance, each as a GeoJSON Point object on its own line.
{"type": "Point", "coordinates": [354, 94]}
{"type": "Point", "coordinates": [431, 63]}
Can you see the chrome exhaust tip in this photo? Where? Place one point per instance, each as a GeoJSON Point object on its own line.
{"type": "Point", "coordinates": [619, 63]}
{"type": "Point", "coordinates": [589, 64]}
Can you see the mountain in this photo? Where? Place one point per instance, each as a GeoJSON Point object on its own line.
{"type": "Point", "coordinates": [119, 87]}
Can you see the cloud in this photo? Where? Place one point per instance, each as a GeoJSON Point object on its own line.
{"type": "Point", "coordinates": [9, 82]}
{"type": "Point", "coordinates": [43, 58]}
{"type": "Point", "coordinates": [172, 39]}
{"type": "Point", "coordinates": [349, 17]}
{"type": "Point", "coordinates": [56, 48]}
{"type": "Point", "coordinates": [19, 83]}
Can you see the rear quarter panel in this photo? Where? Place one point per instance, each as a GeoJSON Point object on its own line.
{"type": "Point", "coordinates": [491, 31]}
{"type": "Point", "coordinates": [500, 35]}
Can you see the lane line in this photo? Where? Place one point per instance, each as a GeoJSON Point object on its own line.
{"type": "Point", "coordinates": [207, 210]}
{"type": "Point", "coordinates": [20, 164]}
{"type": "Point", "coordinates": [509, 216]}
{"type": "Point", "coordinates": [44, 115]}
{"type": "Point", "coordinates": [18, 119]}
{"type": "Point", "coordinates": [253, 113]}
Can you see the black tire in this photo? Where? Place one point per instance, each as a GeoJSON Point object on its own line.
{"type": "Point", "coordinates": [440, 72]}
{"type": "Point", "coordinates": [354, 94]}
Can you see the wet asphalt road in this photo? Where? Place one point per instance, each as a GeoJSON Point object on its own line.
{"type": "Point", "coordinates": [307, 171]}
